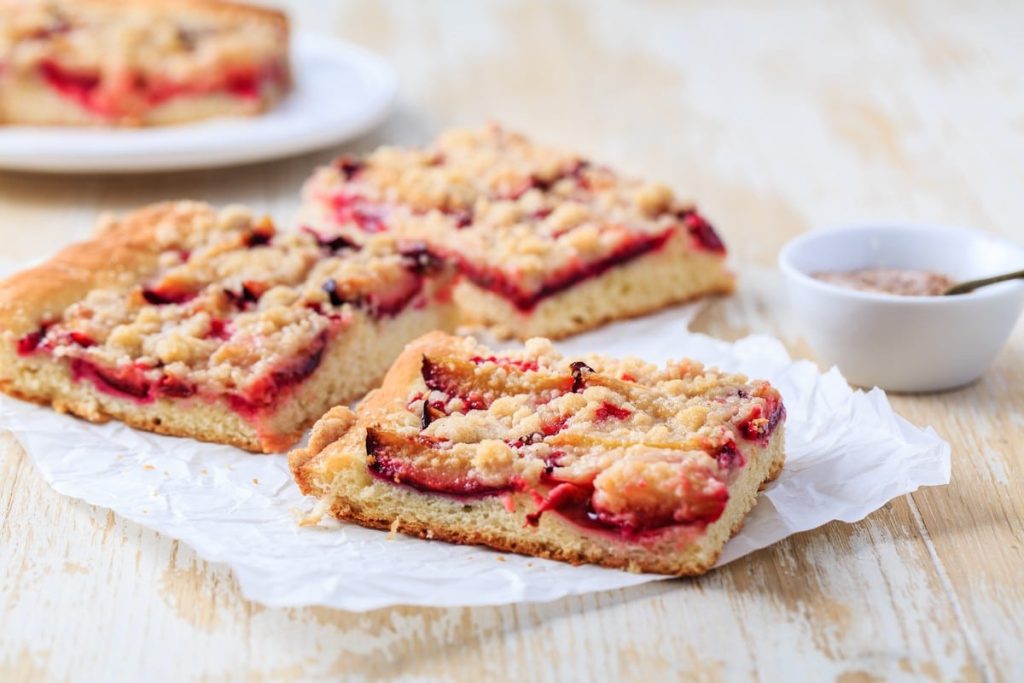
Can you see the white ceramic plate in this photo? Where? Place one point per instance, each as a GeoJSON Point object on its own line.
{"type": "Point", "coordinates": [341, 91]}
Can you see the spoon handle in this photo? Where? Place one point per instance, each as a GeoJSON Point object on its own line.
{"type": "Point", "coordinates": [972, 285]}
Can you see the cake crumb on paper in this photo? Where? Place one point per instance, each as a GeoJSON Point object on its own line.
{"type": "Point", "coordinates": [394, 529]}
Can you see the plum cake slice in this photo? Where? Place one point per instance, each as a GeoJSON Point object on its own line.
{"type": "Point", "coordinates": [582, 459]}
{"type": "Point", "coordinates": [546, 242]}
{"type": "Point", "coordinates": [148, 62]}
{"type": "Point", "coordinates": [211, 324]}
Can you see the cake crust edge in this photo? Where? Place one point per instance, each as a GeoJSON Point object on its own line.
{"type": "Point", "coordinates": [121, 251]}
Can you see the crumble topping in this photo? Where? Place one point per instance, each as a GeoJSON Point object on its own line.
{"type": "Point", "coordinates": [642, 446]}
{"type": "Point", "coordinates": [512, 215]}
{"type": "Point", "coordinates": [231, 302]}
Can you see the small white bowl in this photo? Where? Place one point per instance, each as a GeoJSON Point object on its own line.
{"type": "Point", "coordinates": [904, 343]}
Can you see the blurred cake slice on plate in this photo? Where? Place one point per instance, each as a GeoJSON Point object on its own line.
{"type": "Point", "coordinates": [138, 62]}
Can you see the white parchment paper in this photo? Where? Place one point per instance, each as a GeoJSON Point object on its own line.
{"type": "Point", "coordinates": [848, 453]}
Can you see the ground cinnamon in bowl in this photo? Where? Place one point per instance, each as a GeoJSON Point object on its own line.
{"type": "Point", "coordinates": [898, 281]}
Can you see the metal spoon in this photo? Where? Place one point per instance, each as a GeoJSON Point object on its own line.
{"type": "Point", "coordinates": [971, 285]}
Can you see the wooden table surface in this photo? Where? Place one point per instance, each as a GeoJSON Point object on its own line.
{"type": "Point", "coordinates": [778, 120]}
